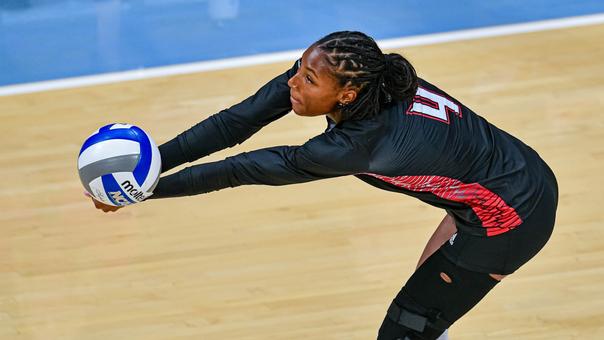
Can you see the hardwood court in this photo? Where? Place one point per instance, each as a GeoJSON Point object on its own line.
{"type": "Point", "coordinates": [320, 260]}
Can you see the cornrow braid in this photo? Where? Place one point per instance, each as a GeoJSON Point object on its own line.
{"type": "Point", "coordinates": [358, 62]}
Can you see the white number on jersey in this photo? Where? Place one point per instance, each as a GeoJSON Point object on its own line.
{"type": "Point", "coordinates": [434, 106]}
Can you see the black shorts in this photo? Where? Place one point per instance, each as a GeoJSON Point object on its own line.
{"type": "Point", "coordinates": [505, 253]}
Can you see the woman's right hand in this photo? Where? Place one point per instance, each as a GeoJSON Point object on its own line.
{"type": "Point", "coordinates": [101, 205]}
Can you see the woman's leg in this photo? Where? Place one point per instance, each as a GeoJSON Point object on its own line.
{"type": "Point", "coordinates": [443, 233]}
{"type": "Point", "coordinates": [445, 230]}
{"type": "Point", "coordinates": [436, 295]}
{"type": "Point", "coordinates": [440, 291]}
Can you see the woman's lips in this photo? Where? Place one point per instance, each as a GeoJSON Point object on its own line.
{"type": "Point", "coordinates": [294, 100]}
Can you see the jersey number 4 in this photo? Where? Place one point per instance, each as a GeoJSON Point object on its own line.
{"type": "Point", "coordinates": [433, 106]}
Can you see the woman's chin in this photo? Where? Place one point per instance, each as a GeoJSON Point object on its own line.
{"type": "Point", "coordinates": [299, 111]}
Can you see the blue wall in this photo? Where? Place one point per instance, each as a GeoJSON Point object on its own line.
{"type": "Point", "coordinates": [44, 39]}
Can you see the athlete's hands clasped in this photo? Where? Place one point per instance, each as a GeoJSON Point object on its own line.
{"type": "Point", "coordinates": [101, 205]}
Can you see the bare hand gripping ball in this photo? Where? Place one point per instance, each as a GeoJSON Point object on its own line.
{"type": "Point", "coordinates": [119, 164]}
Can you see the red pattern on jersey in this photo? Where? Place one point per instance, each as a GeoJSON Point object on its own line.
{"type": "Point", "coordinates": [496, 216]}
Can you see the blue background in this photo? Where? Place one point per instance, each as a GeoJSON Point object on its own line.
{"type": "Point", "coordinates": [44, 39]}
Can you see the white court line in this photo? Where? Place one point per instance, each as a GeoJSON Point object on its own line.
{"type": "Point", "coordinates": [293, 55]}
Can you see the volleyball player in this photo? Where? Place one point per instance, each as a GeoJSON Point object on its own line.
{"type": "Point", "coordinates": [400, 133]}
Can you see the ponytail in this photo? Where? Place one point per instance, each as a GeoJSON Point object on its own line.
{"type": "Point", "coordinates": [400, 80]}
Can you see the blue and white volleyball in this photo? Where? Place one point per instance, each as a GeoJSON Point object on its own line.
{"type": "Point", "coordinates": [119, 164]}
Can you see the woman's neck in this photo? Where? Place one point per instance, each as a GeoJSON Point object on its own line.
{"type": "Point", "coordinates": [335, 116]}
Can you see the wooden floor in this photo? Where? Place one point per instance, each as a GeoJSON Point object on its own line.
{"type": "Point", "coordinates": [320, 260]}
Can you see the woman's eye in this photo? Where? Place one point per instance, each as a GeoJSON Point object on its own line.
{"type": "Point", "coordinates": [308, 79]}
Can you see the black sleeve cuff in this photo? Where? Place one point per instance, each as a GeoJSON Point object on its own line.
{"type": "Point", "coordinates": [174, 185]}
{"type": "Point", "coordinates": [171, 155]}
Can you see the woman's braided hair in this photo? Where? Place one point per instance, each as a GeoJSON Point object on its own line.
{"type": "Point", "coordinates": [358, 62]}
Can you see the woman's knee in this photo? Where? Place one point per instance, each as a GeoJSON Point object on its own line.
{"type": "Point", "coordinates": [442, 285]}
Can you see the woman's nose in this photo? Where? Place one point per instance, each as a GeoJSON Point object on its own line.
{"type": "Point", "coordinates": [292, 81]}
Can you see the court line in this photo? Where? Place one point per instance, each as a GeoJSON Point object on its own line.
{"type": "Point", "coordinates": [268, 58]}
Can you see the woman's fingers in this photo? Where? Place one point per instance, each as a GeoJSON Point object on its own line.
{"type": "Point", "coordinates": [100, 205]}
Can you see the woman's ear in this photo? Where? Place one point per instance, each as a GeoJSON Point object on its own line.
{"type": "Point", "coordinates": [347, 96]}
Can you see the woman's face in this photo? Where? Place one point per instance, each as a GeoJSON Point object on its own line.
{"type": "Point", "coordinates": [313, 89]}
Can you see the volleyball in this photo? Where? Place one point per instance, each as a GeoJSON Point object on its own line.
{"type": "Point", "coordinates": [119, 164]}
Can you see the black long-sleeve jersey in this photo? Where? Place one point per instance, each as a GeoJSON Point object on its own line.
{"type": "Point", "coordinates": [431, 147]}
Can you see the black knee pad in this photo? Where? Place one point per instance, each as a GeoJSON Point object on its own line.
{"type": "Point", "coordinates": [411, 322]}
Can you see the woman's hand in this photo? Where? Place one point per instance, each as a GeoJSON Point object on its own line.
{"type": "Point", "coordinates": [101, 205]}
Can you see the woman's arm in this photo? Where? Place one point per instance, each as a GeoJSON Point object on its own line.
{"type": "Point", "coordinates": [330, 154]}
{"type": "Point", "coordinates": [230, 126]}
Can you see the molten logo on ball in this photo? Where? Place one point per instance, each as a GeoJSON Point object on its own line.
{"type": "Point", "coordinates": [134, 192]}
